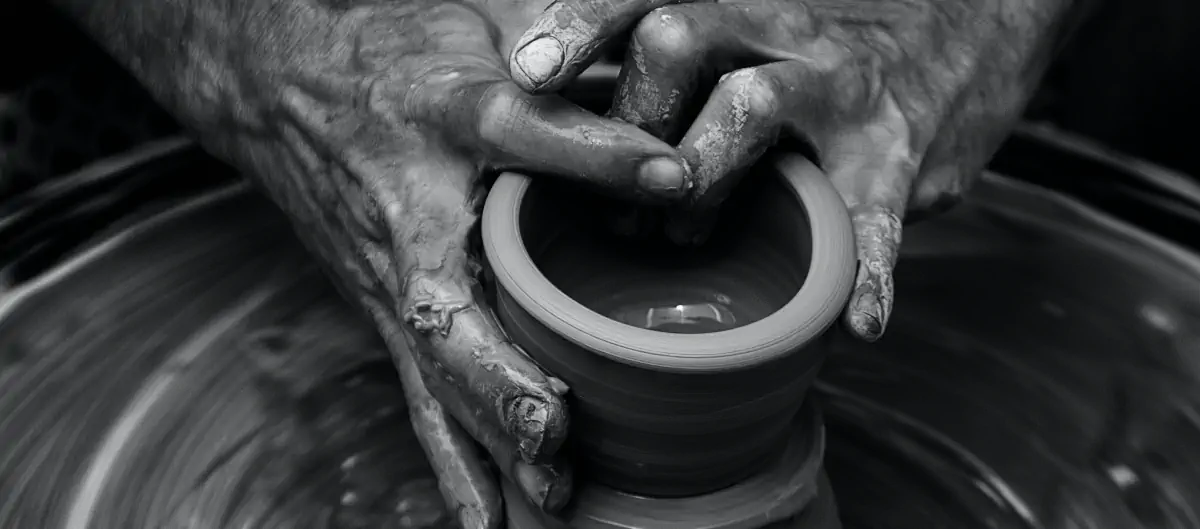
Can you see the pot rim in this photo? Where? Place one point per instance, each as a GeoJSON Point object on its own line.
{"type": "Point", "coordinates": [809, 313]}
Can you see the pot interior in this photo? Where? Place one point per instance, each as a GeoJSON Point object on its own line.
{"type": "Point", "coordinates": [752, 264]}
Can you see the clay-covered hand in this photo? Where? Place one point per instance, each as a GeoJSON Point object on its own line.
{"type": "Point", "coordinates": [903, 101]}
{"type": "Point", "coordinates": [373, 124]}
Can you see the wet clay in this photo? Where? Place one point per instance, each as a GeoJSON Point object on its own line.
{"type": "Point", "coordinates": [1040, 372]}
{"type": "Point", "coordinates": [791, 493]}
{"type": "Point", "coordinates": [659, 413]}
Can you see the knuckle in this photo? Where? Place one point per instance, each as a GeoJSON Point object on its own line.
{"type": "Point", "coordinates": [395, 213]}
{"type": "Point", "coordinates": [669, 33]}
{"type": "Point", "coordinates": [584, 14]}
{"type": "Point", "coordinates": [572, 22]}
{"type": "Point", "coordinates": [434, 91]}
{"type": "Point", "coordinates": [500, 113]}
{"type": "Point", "coordinates": [437, 90]}
{"type": "Point", "coordinates": [878, 230]}
{"type": "Point", "coordinates": [753, 91]}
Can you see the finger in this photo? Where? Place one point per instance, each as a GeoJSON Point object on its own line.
{"type": "Point", "coordinates": [514, 434]}
{"type": "Point", "coordinates": [568, 36]}
{"type": "Point", "coordinates": [504, 385]}
{"type": "Point", "coordinates": [548, 135]}
{"type": "Point", "coordinates": [430, 209]}
{"type": "Point", "coordinates": [743, 117]}
{"type": "Point", "coordinates": [662, 70]}
{"type": "Point", "coordinates": [547, 485]}
{"type": "Point", "coordinates": [873, 168]}
{"type": "Point", "coordinates": [674, 53]}
{"type": "Point", "coordinates": [467, 485]}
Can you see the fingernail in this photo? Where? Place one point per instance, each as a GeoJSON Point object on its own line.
{"type": "Point", "coordinates": [527, 419]}
{"type": "Point", "coordinates": [540, 60]}
{"type": "Point", "coordinates": [866, 317]}
{"type": "Point", "coordinates": [547, 489]}
{"type": "Point", "coordinates": [471, 518]}
{"type": "Point", "coordinates": [662, 176]}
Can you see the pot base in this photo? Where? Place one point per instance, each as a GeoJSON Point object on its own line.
{"type": "Point", "coordinates": [796, 478]}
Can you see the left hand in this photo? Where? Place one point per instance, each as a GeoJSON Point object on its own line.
{"type": "Point", "coordinates": [903, 101]}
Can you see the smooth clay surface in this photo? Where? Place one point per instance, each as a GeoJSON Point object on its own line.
{"type": "Point", "coordinates": [792, 482]}
{"type": "Point", "coordinates": [1040, 372]}
{"type": "Point", "coordinates": [685, 366]}
{"type": "Point", "coordinates": [512, 224]}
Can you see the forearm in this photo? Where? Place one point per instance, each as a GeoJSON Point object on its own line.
{"type": "Point", "coordinates": [194, 55]}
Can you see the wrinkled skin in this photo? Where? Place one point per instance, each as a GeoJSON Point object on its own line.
{"type": "Point", "coordinates": [904, 101]}
{"type": "Point", "coordinates": [374, 125]}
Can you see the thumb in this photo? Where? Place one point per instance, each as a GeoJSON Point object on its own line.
{"type": "Point", "coordinates": [873, 169]}
{"type": "Point", "coordinates": [568, 36]}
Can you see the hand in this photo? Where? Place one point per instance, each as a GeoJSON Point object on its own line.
{"type": "Point", "coordinates": [372, 127]}
{"type": "Point", "coordinates": [903, 101]}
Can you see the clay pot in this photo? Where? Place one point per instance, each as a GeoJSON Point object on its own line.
{"type": "Point", "coordinates": [791, 493]}
{"type": "Point", "coordinates": [685, 365]}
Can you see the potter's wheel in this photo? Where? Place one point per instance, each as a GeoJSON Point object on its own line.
{"type": "Point", "coordinates": [195, 370]}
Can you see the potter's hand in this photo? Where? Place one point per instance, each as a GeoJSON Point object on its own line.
{"type": "Point", "coordinates": [902, 100]}
{"type": "Point", "coordinates": [371, 124]}
{"type": "Point", "coordinates": [380, 164]}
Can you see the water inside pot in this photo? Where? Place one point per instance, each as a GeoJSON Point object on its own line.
{"type": "Point", "coordinates": [753, 263]}
{"type": "Point", "coordinates": [704, 316]}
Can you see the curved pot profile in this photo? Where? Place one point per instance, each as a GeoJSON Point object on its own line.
{"type": "Point", "coordinates": [794, 481]}
{"type": "Point", "coordinates": [685, 365]}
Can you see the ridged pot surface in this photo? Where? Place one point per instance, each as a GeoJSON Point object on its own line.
{"type": "Point", "coordinates": [669, 426]}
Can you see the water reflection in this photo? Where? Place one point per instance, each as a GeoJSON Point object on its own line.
{"type": "Point", "coordinates": [682, 318]}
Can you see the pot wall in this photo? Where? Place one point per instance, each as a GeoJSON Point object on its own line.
{"type": "Point", "coordinates": [666, 434]}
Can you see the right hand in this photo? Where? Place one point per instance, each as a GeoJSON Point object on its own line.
{"type": "Point", "coordinates": [371, 126]}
